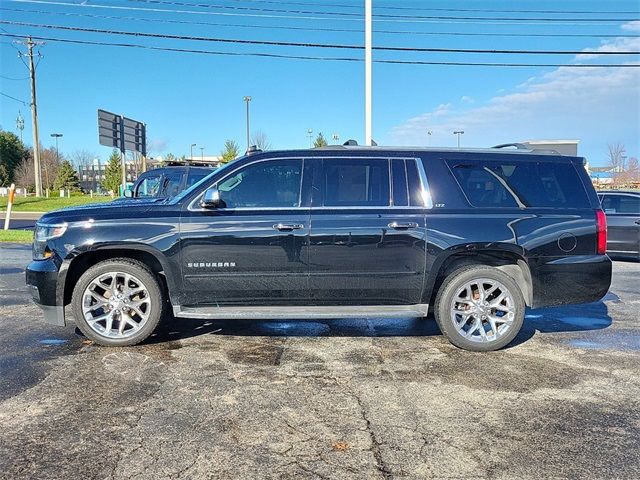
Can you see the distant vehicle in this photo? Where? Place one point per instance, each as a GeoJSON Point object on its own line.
{"type": "Point", "coordinates": [622, 209]}
{"type": "Point", "coordinates": [166, 182]}
{"type": "Point", "coordinates": [335, 232]}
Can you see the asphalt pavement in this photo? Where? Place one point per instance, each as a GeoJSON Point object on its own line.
{"type": "Point", "coordinates": [335, 399]}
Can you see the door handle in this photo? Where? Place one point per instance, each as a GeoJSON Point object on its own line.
{"type": "Point", "coordinates": [637, 222]}
{"type": "Point", "coordinates": [403, 226]}
{"type": "Point", "coordinates": [285, 227]}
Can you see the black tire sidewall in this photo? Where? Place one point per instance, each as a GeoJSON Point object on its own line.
{"type": "Point", "coordinates": [140, 271]}
{"type": "Point", "coordinates": [445, 296]}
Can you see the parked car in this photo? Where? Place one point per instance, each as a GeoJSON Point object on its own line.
{"type": "Point", "coordinates": [166, 182]}
{"type": "Point", "coordinates": [335, 232]}
{"type": "Point", "coordinates": [623, 219]}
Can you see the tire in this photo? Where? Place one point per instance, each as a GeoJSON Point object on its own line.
{"type": "Point", "coordinates": [479, 319]}
{"type": "Point", "coordinates": [125, 290]}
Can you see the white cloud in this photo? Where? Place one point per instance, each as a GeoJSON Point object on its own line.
{"type": "Point", "coordinates": [466, 99]}
{"type": "Point", "coordinates": [632, 26]}
{"type": "Point", "coordinates": [595, 105]}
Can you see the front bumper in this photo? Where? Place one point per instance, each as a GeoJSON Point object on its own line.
{"type": "Point", "coordinates": [42, 281]}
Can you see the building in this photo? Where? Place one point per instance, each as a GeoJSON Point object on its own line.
{"type": "Point", "coordinates": [92, 174]}
{"type": "Point", "coordinates": [209, 161]}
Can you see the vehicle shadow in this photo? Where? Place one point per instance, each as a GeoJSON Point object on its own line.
{"type": "Point", "coordinates": [593, 316]}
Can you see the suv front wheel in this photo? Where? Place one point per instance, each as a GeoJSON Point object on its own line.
{"type": "Point", "coordinates": [118, 302]}
{"type": "Point", "coordinates": [479, 308]}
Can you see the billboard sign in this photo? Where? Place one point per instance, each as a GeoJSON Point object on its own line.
{"type": "Point", "coordinates": [117, 131]}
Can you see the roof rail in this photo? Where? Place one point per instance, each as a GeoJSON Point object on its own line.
{"type": "Point", "coordinates": [519, 146]}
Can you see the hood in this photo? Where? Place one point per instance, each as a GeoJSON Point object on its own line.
{"type": "Point", "coordinates": [97, 211]}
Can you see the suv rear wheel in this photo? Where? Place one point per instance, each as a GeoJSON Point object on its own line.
{"type": "Point", "coordinates": [479, 308]}
{"type": "Point", "coordinates": [118, 302]}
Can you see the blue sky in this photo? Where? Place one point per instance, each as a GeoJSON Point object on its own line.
{"type": "Point", "coordinates": [190, 98]}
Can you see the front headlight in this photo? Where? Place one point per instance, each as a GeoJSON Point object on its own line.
{"type": "Point", "coordinates": [44, 232]}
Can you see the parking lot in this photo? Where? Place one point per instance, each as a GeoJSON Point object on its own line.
{"type": "Point", "coordinates": [322, 399]}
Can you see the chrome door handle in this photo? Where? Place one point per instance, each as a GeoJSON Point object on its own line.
{"type": "Point", "coordinates": [403, 226]}
{"type": "Point", "coordinates": [287, 227]}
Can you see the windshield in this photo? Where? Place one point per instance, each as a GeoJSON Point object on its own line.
{"type": "Point", "coordinates": [197, 186]}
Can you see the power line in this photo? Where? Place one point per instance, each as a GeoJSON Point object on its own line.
{"type": "Point", "coordinates": [319, 29]}
{"type": "Point", "coordinates": [309, 57]}
{"type": "Point", "coordinates": [409, 19]}
{"type": "Point", "coordinates": [360, 17]}
{"type": "Point", "coordinates": [314, 45]}
{"type": "Point", "coordinates": [382, 7]}
{"type": "Point", "coordinates": [14, 98]}
{"type": "Point", "coordinates": [12, 78]}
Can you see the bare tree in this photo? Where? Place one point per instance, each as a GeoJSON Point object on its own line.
{"type": "Point", "coordinates": [49, 165]}
{"type": "Point", "coordinates": [260, 140]}
{"type": "Point", "coordinates": [82, 157]}
{"type": "Point", "coordinates": [616, 156]}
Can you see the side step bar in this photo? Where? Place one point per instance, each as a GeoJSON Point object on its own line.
{"type": "Point", "coordinates": [295, 313]}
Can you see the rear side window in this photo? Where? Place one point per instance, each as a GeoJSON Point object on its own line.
{"type": "Point", "coordinates": [520, 184]}
{"type": "Point", "coordinates": [621, 204]}
{"type": "Point", "coordinates": [356, 182]}
{"type": "Point", "coordinates": [171, 184]}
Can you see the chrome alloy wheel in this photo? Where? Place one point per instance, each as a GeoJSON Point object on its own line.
{"type": "Point", "coordinates": [116, 305]}
{"type": "Point", "coordinates": [482, 310]}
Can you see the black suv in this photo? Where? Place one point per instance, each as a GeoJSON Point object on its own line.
{"type": "Point", "coordinates": [335, 232]}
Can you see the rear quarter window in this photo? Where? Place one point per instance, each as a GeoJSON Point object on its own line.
{"type": "Point", "coordinates": [520, 184]}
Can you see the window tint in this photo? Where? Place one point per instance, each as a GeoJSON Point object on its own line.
{"type": "Point", "coordinates": [171, 184]}
{"type": "Point", "coordinates": [148, 187]}
{"type": "Point", "coordinates": [520, 184]}
{"type": "Point", "coordinates": [415, 188]}
{"type": "Point", "coordinates": [356, 183]}
{"type": "Point", "coordinates": [609, 203]}
{"type": "Point", "coordinates": [195, 176]}
{"type": "Point", "coordinates": [274, 183]}
{"type": "Point", "coordinates": [400, 191]}
{"type": "Point", "coordinates": [629, 204]}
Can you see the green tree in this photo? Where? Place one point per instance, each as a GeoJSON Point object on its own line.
{"type": "Point", "coordinates": [113, 173]}
{"type": "Point", "coordinates": [4, 176]}
{"type": "Point", "coordinates": [12, 153]}
{"type": "Point", "coordinates": [231, 151]}
{"type": "Point", "coordinates": [320, 141]}
{"type": "Point", "coordinates": [67, 178]}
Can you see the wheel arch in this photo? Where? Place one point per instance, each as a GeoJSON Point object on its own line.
{"type": "Point", "coordinates": [84, 260]}
{"type": "Point", "coordinates": [510, 259]}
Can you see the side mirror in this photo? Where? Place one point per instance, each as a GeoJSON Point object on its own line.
{"type": "Point", "coordinates": [211, 198]}
{"type": "Point", "coordinates": [128, 193]}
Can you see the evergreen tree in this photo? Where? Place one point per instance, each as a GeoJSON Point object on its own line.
{"type": "Point", "coordinates": [67, 178]}
{"type": "Point", "coordinates": [231, 151]}
{"type": "Point", "coordinates": [113, 173]}
{"type": "Point", "coordinates": [4, 176]}
{"type": "Point", "coordinates": [12, 153]}
{"type": "Point", "coordinates": [320, 141]}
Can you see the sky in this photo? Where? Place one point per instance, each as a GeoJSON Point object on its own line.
{"type": "Point", "coordinates": [186, 98]}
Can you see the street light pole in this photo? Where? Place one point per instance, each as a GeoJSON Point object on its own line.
{"type": "Point", "coordinates": [192, 145]}
{"type": "Point", "coordinates": [458, 133]}
{"type": "Point", "coordinates": [247, 99]}
{"type": "Point", "coordinates": [310, 135]}
{"type": "Point", "coordinates": [202, 153]}
{"type": "Point", "coordinates": [429, 132]}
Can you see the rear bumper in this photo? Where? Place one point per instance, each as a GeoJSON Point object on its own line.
{"type": "Point", "coordinates": [42, 281]}
{"type": "Point", "coordinates": [570, 280]}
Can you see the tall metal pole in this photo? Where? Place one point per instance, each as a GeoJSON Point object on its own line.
{"type": "Point", "coordinates": [202, 154]}
{"type": "Point", "coordinates": [191, 157]}
{"type": "Point", "coordinates": [458, 133]}
{"type": "Point", "coordinates": [20, 124]}
{"type": "Point", "coordinates": [247, 99]}
{"type": "Point", "coordinates": [34, 119]}
{"type": "Point", "coordinates": [368, 36]}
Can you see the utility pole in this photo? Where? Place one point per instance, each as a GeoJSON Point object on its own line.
{"type": "Point", "coordinates": [34, 116]}
{"type": "Point", "coordinates": [247, 99]}
{"type": "Point", "coordinates": [368, 37]}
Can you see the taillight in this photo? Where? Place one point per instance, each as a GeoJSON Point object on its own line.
{"type": "Point", "coordinates": [601, 232]}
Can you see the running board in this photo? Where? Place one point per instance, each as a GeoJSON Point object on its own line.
{"type": "Point", "coordinates": [306, 313]}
